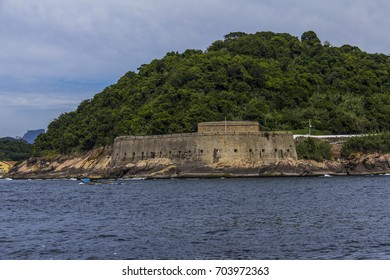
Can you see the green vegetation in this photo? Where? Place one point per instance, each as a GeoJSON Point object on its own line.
{"type": "Point", "coordinates": [314, 149]}
{"type": "Point", "coordinates": [378, 143]}
{"type": "Point", "coordinates": [312, 132]}
{"type": "Point", "coordinates": [14, 149]}
{"type": "Point", "coordinates": [276, 79]}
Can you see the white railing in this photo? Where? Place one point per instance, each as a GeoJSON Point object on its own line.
{"type": "Point", "coordinates": [329, 136]}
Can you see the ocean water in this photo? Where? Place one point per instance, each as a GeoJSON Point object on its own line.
{"type": "Point", "coordinates": [272, 218]}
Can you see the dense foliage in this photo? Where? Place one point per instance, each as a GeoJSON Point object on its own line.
{"type": "Point", "coordinates": [378, 143]}
{"type": "Point", "coordinates": [276, 79]}
{"type": "Point", "coordinates": [14, 149]}
{"type": "Point", "coordinates": [314, 149]}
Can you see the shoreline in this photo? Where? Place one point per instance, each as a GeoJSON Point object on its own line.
{"type": "Point", "coordinates": [213, 175]}
{"type": "Point", "coordinates": [98, 164]}
{"type": "Point", "coordinates": [197, 176]}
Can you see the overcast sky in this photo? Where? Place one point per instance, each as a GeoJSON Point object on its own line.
{"type": "Point", "coordinates": [55, 53]}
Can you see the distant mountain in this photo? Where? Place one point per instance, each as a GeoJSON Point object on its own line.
{"type": "Point", "coordinates": [31, 135]}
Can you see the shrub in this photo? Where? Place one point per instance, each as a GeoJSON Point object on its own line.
{"type": "Point", "coordinates": [314, 149]}
{"type": "Point", "coordinates": [378, 143]}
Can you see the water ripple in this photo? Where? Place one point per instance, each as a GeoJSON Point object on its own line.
{"type": "Point", "coordinates": [278, 218]}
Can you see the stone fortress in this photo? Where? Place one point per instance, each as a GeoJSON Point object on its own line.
{"type": "Point", "coordinates": [214, 143]}
{"type": "Point", "coordinates": [218, 149]}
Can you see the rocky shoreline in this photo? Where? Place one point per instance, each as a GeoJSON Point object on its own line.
{"type": "Point", "coordinates": [98, 164]}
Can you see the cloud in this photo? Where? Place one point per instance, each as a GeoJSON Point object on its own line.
{"type": "Point", "coordinates": [52, 50]}
{"type": "Point", "coordinates": [92, 38]}
{"type": "Point", "coordinates": [36, 101]}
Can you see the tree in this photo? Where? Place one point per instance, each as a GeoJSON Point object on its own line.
{"type": "Point", "coordinates": [273, 78]}
{"type": "Point", "coordinates": [14, 149]}
{"type": "Point", "coordinates": [314, 149]}
{"type": "Point", "coordinates": [310, 38]}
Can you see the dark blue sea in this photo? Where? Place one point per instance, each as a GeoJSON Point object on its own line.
{"type": "Point", "coordinates": [272, 218]}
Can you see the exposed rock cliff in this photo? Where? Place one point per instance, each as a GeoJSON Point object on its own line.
{"type": "Point", "coordinates": [358, 164]}
{"type": "Point", "coordinates": [98, 164]}
{"type": "Point", "coordinates": [368, 164]}
{"type": "Point", "coordinates": [95, 164]}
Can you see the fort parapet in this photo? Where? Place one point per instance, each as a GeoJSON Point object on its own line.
{"type": "Point", "coordinates": [214, 142]}
{"type": "Point", "coordinates": [212, 127]}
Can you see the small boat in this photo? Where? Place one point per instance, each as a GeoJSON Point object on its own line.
{"type": "Point", "coordinates": [85, 180]}
{"type": "Point", "coordinates": [88, 181]}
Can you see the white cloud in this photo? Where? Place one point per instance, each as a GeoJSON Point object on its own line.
{"type": "Point", "coordinates": [37, 101]}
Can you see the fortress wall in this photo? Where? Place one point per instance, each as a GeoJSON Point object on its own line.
{"type": "Point", "coordinates": [206, 148]}
{"type": "Point", "coordinates": [278, 146]}
{"type": "Point", "coordinates": [231, 126]}
{"type": "Point", "coordinates": [253, 147]}
{"type": "Point", "coordinates": [178, 147]}
{"type": "Point", "coordinates": [216, 147]}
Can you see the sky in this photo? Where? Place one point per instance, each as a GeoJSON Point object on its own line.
{"type": "Point", "coordinates": [55, 53]}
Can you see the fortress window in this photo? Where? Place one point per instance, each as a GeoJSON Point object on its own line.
{"type": "Point", "coordinates": [263, 150]}
{"type": "Point", "coordinates": [142, 156]}
{"type": "Point", "coordinates": [276, 150]}
{"type": "Point", "coordinates": [235, 150]}
{"type": "Point", "coordinates": [201, 151]}
{"type": "Point", "coordinates": [250, 150]}
{"type": "Point", "coordinates": [288, 150]}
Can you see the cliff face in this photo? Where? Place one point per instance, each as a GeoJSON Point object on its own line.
{"type": "Point", "coordinates": [98, 164]}
{"type": "Point", "coordinates": [368, 164]}
{"type": "Point", "coordinates": [31, 135]}
{"type": "Point", "coordinates": [358, 164]}
{"type": "Point", "coordinates": [95, 164]}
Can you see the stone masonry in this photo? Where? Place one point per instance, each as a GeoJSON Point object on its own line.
{"type": "Point", "coordinates": [213, 143]}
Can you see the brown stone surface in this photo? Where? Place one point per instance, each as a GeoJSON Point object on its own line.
{"type": "Point", "coordinates": [228, 126]}
{"type": "Point", "coordinates": [222, 149]}
{"type": "Point", "coordinates": [98, 164]}
{"type": "Point", "coordinates": [94, 164]}
{"type": "Point", "coordinates": [219, 141]}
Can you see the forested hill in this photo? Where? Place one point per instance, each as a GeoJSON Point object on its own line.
{"type": "Point", "coordinates": [277, 79]}
{"type": "Point", "coordinates": [14, 149]}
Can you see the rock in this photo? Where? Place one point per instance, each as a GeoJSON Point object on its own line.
{"type": "Point", "coordinates": [368, 164]}
{"type": "Point", "coordinates": [158, 167]}
{"type": "Point", "coordinates": [98, 164]}
{"type": "Point", "coordinates": [304, 168]}
{"type": "Point", "coordinates": [31, 135]}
